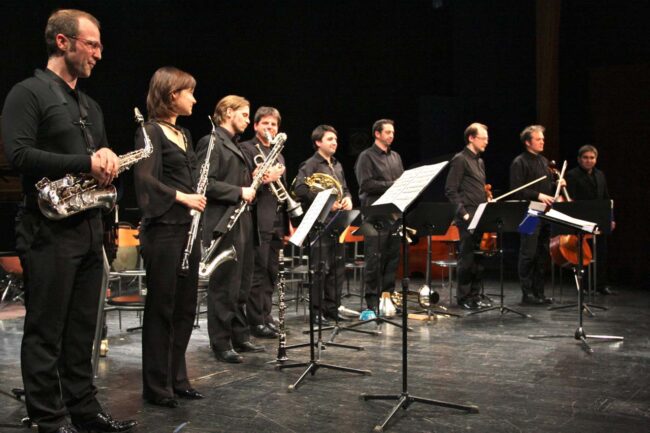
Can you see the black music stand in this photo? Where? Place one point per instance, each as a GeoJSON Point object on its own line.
{"type": "Point", "coordinates": [432, 219]}
{"type": "Point", "coordinates": [579, 333]}
{"type": "Point", "coordinates": [499, 217]}
{"type": "Point", "coordinates": [598, 211]}
{"type": "Point", "coordinates": [404, 191]}
{"type": "Point", "coordinates": [313, 221]}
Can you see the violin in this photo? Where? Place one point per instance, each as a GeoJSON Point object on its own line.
{"type": "Point", "coordinates": [564, 248]}
{"type": "Point", "coordinates": [489, 240]}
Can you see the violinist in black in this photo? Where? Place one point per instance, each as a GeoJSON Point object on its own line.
{"type": "Point", "coordinates": [324, 139]}
{"type": "Point", "coordinates": [165, 184]}
{"type": "Point", "coordinates": [533, 248]}
{"type": "Point", "coordinates": [465, 187]}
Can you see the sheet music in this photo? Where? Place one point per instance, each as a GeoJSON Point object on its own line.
{"type": "Point", "coordinates": [477, 217]}
{"type": "Point", "coordinates": [409, 185]}
{"type": "Point", "coordinates": [311, 216]}
{"type": "Point", "coordinates": [586, 226]}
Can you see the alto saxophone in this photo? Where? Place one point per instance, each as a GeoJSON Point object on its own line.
{"type": "Point", "coordinates": [201, 186]}
{"type": "Point", "coordinates": [208, 261]}
{"type": "Point", "coordinates": [76, 193]}
{"type": "Point", "coordinates": [282, 307]}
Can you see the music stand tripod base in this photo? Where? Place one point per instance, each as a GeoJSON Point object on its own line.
{"type": "Point", "coordinates": [581, 336]}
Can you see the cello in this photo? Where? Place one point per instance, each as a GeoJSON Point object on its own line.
{"type": "Point", "coordinates": [564, 248]}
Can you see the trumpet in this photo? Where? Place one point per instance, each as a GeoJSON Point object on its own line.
{"type": "Point", "coordinates": [277, 187]}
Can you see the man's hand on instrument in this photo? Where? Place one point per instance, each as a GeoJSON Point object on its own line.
{"type": "Point", "coordinates": [247, 194]}
{"type": "Point", "coordinates": [274, 173]}
{"type": "Point", "coordinates": [192, 201]}
{"type": "Point", "coordinates": [346, 203]}
{"type": "Point", "coordinates": [104, 165]}
{"type": "Point", "coordinates": [546, 199]}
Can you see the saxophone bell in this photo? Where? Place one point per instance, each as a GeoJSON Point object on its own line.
{"type": "Point", "coordinates": [209, 264]}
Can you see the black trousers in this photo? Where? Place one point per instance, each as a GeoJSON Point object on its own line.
{"type": "Point", "coordinates": [62, 265]}
{"type": "Point", "coordinates": [533, 259]}
{"type": "Point", "coordinates": [379, 272]}
{"type": "Point", "coordinates": [327, 275]}
{"type": "Point", "coordinates": [170, 308]}
{"type": "Point", "coordinates": [470, 270]}
{"type": "Point", "coordinates": [265, 278]}
{"type": "Point", "coordinates": [230, 285]}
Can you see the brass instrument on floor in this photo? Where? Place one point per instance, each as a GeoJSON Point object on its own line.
{"type": "Point", "coordinates": [74, 193]}
{"type": "Point", "coordinates": [282, 307]}
{"type": "Point", "coordinates": [208, 262]}
{"type": "Point", "coordinates": [421, 297]}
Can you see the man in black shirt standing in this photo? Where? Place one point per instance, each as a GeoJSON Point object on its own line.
{"type": "Point", "coordinates": [272, 224]}
{"type": "Point", "coordinates": [229, 183]}
{"type": "Point", "coordinates": [377, 168]}
{"type": "Point", "coordinates": [465, 187]}
{"type": "Point", "coordinates": [324, 139]}
{"type": "Point", "coordinates": [51, 128]}
{"type": "Point", "coordinates": [533, 248]}
{"type": "Point", "coordinates": [586, 182]}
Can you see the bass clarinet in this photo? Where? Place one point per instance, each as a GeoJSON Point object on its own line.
{"type": "Point", "coordinates": [201, 186]}
{"type": "Point", "coordinates": [208, 261]}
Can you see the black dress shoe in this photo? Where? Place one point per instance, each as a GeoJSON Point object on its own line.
{"type": "Point", "coordinates": [249, 346]}
{"type": "Point", "coordinates": [273, 327]}
{"type": "Point", "coordinates": [529, 299]}
{"type": "Point", "coordinates": [103, 422]}
{"type": "Point", "coordinates": [229, 356]}
{"type": "Point", "coordinates": [544, 300]}
{"type": "Point", "coordinates": [468, 304]}
{"type": "Point", "coordinates": [263, 331]}
{"type": "Point", "coordinates": [66, 429]}
{"type": "Point", "coordinates": [190, 394]}
{"type": "Point", "coordinates": [164, 402]}
{"type": "Point", "coordinates": [606, 291]}
{"type": "Point", "coordinates": [324, 322]}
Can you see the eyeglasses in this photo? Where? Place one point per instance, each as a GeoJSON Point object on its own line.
{"type": "Point", "coordinates": [94, 45]}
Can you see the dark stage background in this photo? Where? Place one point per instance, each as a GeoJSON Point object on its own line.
{"type": "Point", "coordinates": [434, 66]}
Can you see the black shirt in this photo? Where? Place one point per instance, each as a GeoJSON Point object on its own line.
{"type": "Point", "coordinates": [465, 185]}
{"type": "Point", "coordinates": [269, 213]}
{"type": "Point", "coordinates": [582, 185]}
{"type": "Point", "coordinates": [42, 133]}
{"type": "Point", "coordinates": [376, 171]}
{"type": "Point", "coordinates": [527, 167]}
{"type": "Point", "coordinates": [318, 164]}
{"type": "Point", "coordinates": [167, 170]}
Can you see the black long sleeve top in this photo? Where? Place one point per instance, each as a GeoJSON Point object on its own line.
{"type": "Point", "coordinates": [167, 170]}
{"type": "Point", "coordinates": [270, 213]}
{"type": "Point", "coordinates": [42, 133]}
{"type": "Point", "coordinates": [582, 185]}
{"type": "Point", "coordinates": [376, 171]}
{"type": "Point", "coordinates": [527, 167]}
{"type": "Point", "coordinates": [465, 185]}
{"type": "Point", "coordinates": [317, 164]}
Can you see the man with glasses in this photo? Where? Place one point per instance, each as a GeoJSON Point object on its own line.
{"type": "Point", "coordinates": [51, 128]}
{"type": "Point", "coordinates": [465, 187]}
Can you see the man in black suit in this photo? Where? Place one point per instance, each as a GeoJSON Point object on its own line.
{"type": "Point", "coordinates": [586, 182]}
{"type": "Point", "coordinates": [271, 222]}
{"type": "Point", "coordinates": [229, 183]}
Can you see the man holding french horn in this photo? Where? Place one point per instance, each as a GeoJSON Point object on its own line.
{"type": "Point", "coordinates": [317, 173]}
{"type": "Point", "coordinates": [271, 222]}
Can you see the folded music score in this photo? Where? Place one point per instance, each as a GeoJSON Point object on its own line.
{"type": "Point", "coordinates": [410, 185]}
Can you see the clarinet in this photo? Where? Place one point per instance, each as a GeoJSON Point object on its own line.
{"type": "Point", "coordinates": [282, 307]}
{"type": "Point", "coordinates": [201, 186]}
